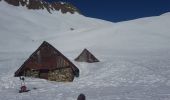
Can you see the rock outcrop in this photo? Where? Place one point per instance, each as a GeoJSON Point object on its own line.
{"type": "Point", "coordinates": [40, 4]}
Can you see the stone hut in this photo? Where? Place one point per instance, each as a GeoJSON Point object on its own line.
{"type": "Point", "coordinates": [86, 56]}
{"type": "Point", "coordinates": [48, 63]}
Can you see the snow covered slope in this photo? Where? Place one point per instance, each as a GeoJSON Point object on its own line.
{"type": "Point", "coordinates": [32, 25]}
{"type": "Point", "coordinates": [134, 55]}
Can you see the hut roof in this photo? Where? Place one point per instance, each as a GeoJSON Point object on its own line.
{"type": "Point", "coordinates": [86, 56]}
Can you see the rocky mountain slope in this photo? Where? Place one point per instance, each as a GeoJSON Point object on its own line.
{"type": "Point", "coordinates": [41, 4]}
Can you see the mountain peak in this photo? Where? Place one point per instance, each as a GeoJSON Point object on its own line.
{"type": "Point", "coordinates": [40, 4]}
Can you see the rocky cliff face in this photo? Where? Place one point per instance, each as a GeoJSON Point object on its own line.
{"type": "Point", "coordinates": [40, 4]}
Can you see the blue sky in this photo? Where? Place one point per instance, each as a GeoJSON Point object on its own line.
{"type": "Point", "coordinates": [121, 10]}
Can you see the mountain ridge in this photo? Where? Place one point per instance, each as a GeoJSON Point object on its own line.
{"type": "Point", "coordinates": [41, 4]}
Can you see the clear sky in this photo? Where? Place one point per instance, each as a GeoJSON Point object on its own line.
{"type": "Point", "coordinates": [120, 10]}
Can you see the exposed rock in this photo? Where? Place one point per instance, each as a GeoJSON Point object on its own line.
{"type": "Point", "coordinates": [13, 2]}
{"type": "Point", "coordinates": [33, 4]}
{"type": "Point", "coordinates": [39, 4]}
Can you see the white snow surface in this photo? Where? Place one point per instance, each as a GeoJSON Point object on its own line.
{"type": "Point", "coordinates": [134, 55]}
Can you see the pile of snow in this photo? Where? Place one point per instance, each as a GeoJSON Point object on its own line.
{"type": "Point", "coordinates": [134, 55]}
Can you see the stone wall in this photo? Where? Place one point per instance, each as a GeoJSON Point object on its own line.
{"type": "Point", "coordinates": [61, 75]}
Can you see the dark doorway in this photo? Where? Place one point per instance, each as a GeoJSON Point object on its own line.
{"type": "Point", "coordinates": [43, 73]}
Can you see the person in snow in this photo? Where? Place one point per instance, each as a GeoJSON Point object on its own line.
{"type": "Point", "coordinates": [81, 97]}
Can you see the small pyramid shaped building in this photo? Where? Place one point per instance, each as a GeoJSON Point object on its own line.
{"type": "Point", "coordinates": [48, 63]}
{"type": "Point", "coordinates": [86, 56]}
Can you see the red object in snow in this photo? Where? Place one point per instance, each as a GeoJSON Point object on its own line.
{"type": "Point", "coordinates": [23, 89]}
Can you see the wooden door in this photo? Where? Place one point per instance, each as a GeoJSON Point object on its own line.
{"type": "Point", "coordinates": [43, 74]}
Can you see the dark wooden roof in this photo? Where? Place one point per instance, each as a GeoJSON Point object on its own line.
{"type": "Point", "coordinates": [86, 56]}
{"type": "Point", "coordinates": [74, 68]}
